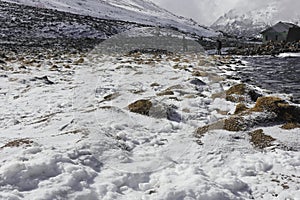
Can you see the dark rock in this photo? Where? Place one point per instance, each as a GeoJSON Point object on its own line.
{"type": "Point", "coordinates": [45, 79]}
{"type": "Point", "coordinates": [197, 82]}
{"type": "Point", "coordinates": [254, 95]}
{"type": "Point", "coordinates": [172, 115]}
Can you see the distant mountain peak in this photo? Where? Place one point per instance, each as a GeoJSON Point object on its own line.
{"type": "Point", "coordinates": [251, 22]}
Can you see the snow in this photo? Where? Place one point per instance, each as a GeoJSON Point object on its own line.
{"type": "Point", "coordinates": [288, 55]}
{"type": "Point", "coordinates": [87, 147]}
{"type": "Point", "coordinates": [250, 21]}
{"type": "Point", "coordinates": [139, 11]}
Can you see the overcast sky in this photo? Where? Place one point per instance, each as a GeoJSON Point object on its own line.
{"type": "Point", "coordinates": [203, 11]}
{"type": "Point", "coordinates": [208, 11]}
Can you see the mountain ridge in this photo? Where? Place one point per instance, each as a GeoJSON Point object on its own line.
{"type": "Point", "coordinates": [137, 11]}
{"type": "Point", "coordinates": [250, 23]}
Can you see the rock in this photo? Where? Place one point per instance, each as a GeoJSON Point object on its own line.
{"type": "Point", "coordinates": [254, 95]}
{"type": "Point", "coordinates": [172, 115]}
{"type": "Point", "coordinates": [165, 93]}
{"type": "Point", "coordinates": [269, 104]}
{"type": "Point", "coordinates": [45, 79]}
{"type": "Point", "coordinates": [2, 62]}
{"type": "Point", "coordinates": [235, 93]}
{"type": "Point", "coordinates": [197, 82]}
{"type": "Point", "coordinates": [260, 140]}
{"type": "Point", "coordinates": [111, 96]}
{"type": "Point", "coordinates": [284, 111]}
{"type": "Point", "coordinates": [160, 110]}
{"type": "Point", "coordinates": [154, 85]}
{"type": "Point", "coordinates": [175, 87]}
{"type": "Point", "coordinates": [199, 73]}
{"type": "Point", "coordinates": [239, 89]}
{"type": "Point", "coordinates": [235, 123]}
{"type": "Point", "coordinates": [289, 126]}
{"type": "Point", "coordinates": [240, 108]}
{"type": "Point", "coordinates": [141, 107]}
{"type": "Point", "coordinates": [200, 132]}
{"type": "Point", "coordinates": [79, 61]}
{"type": "Point", "coordinates": [241, 93]}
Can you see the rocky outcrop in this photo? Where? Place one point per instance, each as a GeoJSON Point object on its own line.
{"type": "Point", "coordinates": [155, 109]}
{"type": "Point", "coordinates": [267, 110]}
{"type": "Point", "coordinates": [283, 110]}
{"type": "Point", "coordinates": [241, 93]}
{"type": "Point", "coordinates": [271, 48]}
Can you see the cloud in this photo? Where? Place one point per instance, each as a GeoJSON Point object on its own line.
{"type": "Point", "coordinates": [203, 11]}
{"type": "Point", "coordinates": [208, 11]}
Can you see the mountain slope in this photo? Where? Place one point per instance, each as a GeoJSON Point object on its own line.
{"type": "Point", "coordinates": [26, 27]}
{"type": "Point", "coordinates": [139, 11]}
{"type": "Point", "coordinates": [250, 23]}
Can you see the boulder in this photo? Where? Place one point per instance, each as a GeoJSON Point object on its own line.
{"type": "Point", "coordinates": [240, 108]}
{"type": "Point", "coordinates": [197, 82]}
{"type": "Point", "coordinates": [260, 140]}
{"type": "Point", "coordinates": [241, 93]}
{"type": "Point", "coordinates": [141, 107]}
{"type": "Point", "coordinates": [284, 111]}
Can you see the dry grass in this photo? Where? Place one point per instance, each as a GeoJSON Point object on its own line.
{"type": "Point", "coordinates": [260, 140]}
{"type": "Point", "coordinates": [18, 143]}
{"type": "Point", "coordinates": [165, 93]}
{"type": "Point", "coordinates": [290, 126]}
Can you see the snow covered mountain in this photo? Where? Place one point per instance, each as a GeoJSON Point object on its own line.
{"type": "Point", "coordinates": [138, 11]}
{"type": "Point", "coordinates": [249, 22]}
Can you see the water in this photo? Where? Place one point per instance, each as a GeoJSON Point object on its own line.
{"type": "Point", "coordinates": [280, 75]}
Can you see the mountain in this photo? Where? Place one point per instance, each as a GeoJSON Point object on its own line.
{"type": "Point", "coordinates": [249, 23]}
{"type": "Point", "coordinates": [138, 11]}
{"type": "Point", "coordinates": [30, 28]}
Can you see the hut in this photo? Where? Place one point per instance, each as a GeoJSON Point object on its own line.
{"type": "Point", "coordinates": [282, 31]}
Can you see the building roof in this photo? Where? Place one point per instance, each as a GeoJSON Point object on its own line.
{"type": "Point", "coordinates": [280, 27]}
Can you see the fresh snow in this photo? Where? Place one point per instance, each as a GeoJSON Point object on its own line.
{"type": "Point", "coordinates": [288, 55]}
{"type": "Point", "coordinates": [85, 146]}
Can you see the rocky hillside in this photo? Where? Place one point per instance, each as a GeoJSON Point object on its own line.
{"type": "Point", "coordinates": [31, 27]}
{"type": "Point", "coordinates": [138, 11]}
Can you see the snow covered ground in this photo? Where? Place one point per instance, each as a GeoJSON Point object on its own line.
{"type": "Point", "coordinates": [66, 132]}
{"type": "Point", "coordinates": [288, 55]}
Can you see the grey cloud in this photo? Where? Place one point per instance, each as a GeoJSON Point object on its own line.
{"type": "Point", "coordinates": [207, 11]}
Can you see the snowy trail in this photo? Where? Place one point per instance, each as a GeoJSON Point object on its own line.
{"type": "Point", "coordinates": [76, 138]}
